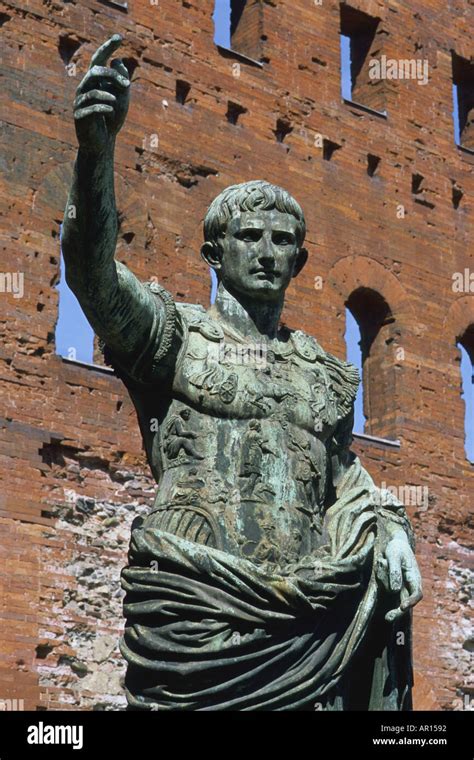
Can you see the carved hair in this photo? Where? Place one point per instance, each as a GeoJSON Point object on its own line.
{"type": "Point", "coordinates": [250, 196]}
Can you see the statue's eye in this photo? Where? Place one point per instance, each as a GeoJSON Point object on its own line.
{"type": "Point", "coordinates": [250, 236]}
{"type": "Point", "coordinates": [281, 238]}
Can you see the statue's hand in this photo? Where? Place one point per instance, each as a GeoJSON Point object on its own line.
{"type": "Point", "coordinates": [399, 573]}
{"type": "Point", "coordinates": [102, 99]}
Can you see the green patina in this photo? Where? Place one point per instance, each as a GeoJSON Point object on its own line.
{"type": "Point", "coordinates": [269, 574]}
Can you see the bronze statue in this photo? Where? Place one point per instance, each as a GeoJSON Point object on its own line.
{"type": "Point", "coordinates": [269, 574]}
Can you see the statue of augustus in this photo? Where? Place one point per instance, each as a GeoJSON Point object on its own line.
{"type": "Point", "coordinates": [271, 573]}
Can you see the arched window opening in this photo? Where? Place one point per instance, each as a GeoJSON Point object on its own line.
{"type": "Point", "coordinates": [466, 347]}
{"type": "Point", "coordinates": [376, 362]}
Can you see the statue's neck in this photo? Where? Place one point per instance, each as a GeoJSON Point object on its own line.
{"type": "Point", "coordinates": [251, 318]}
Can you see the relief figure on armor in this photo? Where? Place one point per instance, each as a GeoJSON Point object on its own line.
{"type": "Point", "coordinates": [271, 572]}
{"type": "Point", "coordinates": [254, 447]}
{"type": "Point", "coordinates": [179, 438]}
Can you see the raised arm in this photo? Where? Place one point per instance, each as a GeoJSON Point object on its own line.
{"type": "Point", "coordinates": [121, 310]}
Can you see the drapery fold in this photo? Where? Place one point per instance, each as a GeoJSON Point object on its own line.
{"type": "Point", "coordinates": [207, 630]}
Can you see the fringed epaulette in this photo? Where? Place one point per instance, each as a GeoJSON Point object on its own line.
{"type": "Point", "coordinates": [344, 379]}
{"type": "Point", "coordinates": [157, 346]}
{"type": "Point", "coordinates": [169, 325]}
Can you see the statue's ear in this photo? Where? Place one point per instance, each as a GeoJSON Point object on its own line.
{"type": "Point", "coordinates": [212, 255]}
{"type": "Point", "coordinates": [301, 260]}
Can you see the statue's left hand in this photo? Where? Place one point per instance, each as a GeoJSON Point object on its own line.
{"type": "Point", "coordinates": [399, 573]}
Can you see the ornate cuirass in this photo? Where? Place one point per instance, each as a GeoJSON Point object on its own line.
{"type": "Point", "coordinates": [239, 435]}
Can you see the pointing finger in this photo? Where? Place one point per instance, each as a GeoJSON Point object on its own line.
{"type": "Point", "coordinates": [103, 53]}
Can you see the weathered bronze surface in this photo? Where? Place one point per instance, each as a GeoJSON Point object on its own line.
{"type": "Point", "coordinates": [271, 573]}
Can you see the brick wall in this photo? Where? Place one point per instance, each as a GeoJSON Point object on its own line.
{"type": "Point", "coordinates": [73, 473]}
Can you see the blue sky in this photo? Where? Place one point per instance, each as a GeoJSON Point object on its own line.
{"type": "Point", "coordinates": [354, 355]}
{"type": "Point", "coordinates": [467, 375]}
{"type": "Point", "coordinates": [74, 336]}
{"type": "Point", "coordinates": [346, 88]}
{"type": "Point", "coordinates": [222, 23]}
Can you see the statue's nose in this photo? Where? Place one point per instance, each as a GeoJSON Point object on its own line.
{"type": "Point", "coordinates": [265, 250]}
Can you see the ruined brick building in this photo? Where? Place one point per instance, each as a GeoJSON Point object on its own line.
{"type": "Point", "coordinates": [388, 196]}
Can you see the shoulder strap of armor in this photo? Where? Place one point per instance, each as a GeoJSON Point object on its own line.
{"type": "Point", "coordinates": [345, 379]}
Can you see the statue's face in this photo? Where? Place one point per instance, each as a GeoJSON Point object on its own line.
{"type": "Point", "coordinates": [260, 254]}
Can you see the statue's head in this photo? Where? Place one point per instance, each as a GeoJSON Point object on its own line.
{"type": "Point", "coordinates": [254, 234]}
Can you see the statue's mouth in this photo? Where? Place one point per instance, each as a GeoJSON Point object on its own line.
{"type": "Point", "coordinates": [265, 274]}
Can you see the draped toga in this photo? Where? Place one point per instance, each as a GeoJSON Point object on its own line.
{"type": "Point", "coordinates": [253, 583]}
